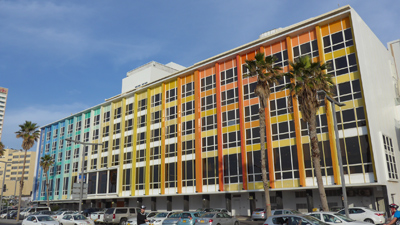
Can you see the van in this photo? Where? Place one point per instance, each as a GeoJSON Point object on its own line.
{"type": "Point", "coordinates": [27, 211]}
{"type": "Point", "coordinates": [119, 215]}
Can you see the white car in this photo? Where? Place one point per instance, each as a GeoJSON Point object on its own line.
{"type": "Point", "coordinates": [40, 219]}
{"type": "Point", "coordinates": [75, 219]}
{"type": "Point", "coordinates": [333, 218]}
{"type": "Point", "coordinates": [61, 214]}
{"type": "Point", "coordinates": [223, 210]}
{"type": "Point", "coordinates": [159, 218]}
{"type": "Point", "coordinates": [293, 219]}
{"type": "Point", "coordinates": [97, 217]}
{"type": "Point", "coordinates": [365, 214]}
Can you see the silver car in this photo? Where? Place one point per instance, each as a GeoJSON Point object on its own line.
{"type": "Point", "coordinates": [214, 218]}
{"type": "Point", "coordinates": [39, 219]}
{"type": "Point", "coordinates": [333, 218]}
{"type": "Point", "coordinates": [261, 214]}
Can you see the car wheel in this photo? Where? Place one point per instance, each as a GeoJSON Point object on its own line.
{"type": "Point", "coordinates": [369, 221]}
{"type": "Point", "coordinates": [122, 222]}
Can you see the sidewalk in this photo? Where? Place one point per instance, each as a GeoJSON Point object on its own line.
{"type": "Point", "coordinates": [10, 221]}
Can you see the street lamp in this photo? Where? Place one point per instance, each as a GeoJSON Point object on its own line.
{"type": "Point", "coordinates": [339, 152]}
{"type": "Point", "coordinates": [2, 187]}
{"type": "Point", "coordinates": [83, 161]}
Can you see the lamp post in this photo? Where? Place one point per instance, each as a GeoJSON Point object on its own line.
{"type": "Point", "coordinates": [2, 187]}
{"type": "Point", "coordinates": [339, 152]}
{"type": "Point", "coordinates": [83, 161]}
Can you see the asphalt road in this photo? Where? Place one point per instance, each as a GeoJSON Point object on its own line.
{"type": "Point", "coordinates": [249, 222]}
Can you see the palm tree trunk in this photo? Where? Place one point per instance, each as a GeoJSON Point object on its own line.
{"type": "Point", "coordinates": [264, 159]}
{"type": "Point", "coordinates": [21, 186]}
{"type": "Point", "coordinates": [47, 190]}
{"type": "Point", "coordinates": [316, 156]}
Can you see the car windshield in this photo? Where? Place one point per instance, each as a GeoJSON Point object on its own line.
{"type": "Point", "coordinates": [208, 215]}
{"type": "Point", "coordinates": [175, 215]}
{"type": "Point", "coordinates": [314, 220]}
{"type": "Point", "coordinates": [186, 215]}
{"type": "Point", "coordinates": [295, 212]}
{"type": "Point", "coordinates": [79, 217]}
{"type": "Point", "coordinates": [373, 210]}
{"type": "Point", "coordinates": [59, 213]}
{"type": "Point", "coordinates": [109, 211]}
{"type": "Point", "coordinates": [151, 214]}
{"type": "Point", "coordinates": [161, 215]}
{"type": "Point", "coordinates": [45, 218]}
{"type": "Point", "coordinates": [258, 210]}
{"type": "Point", "coordinates": [347, 219]}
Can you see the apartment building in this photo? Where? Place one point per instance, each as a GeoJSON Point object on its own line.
{"type": "Point", "coordinates": [13, 171]}
{"type": "Point", "coordinates": [183, 138]}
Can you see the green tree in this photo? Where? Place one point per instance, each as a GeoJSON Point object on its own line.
{"type": "Point", "coordinates": [309, 78]}
{"type": "Point", "coordinates": [46, 162]}
{"type": "Point", "coordinates": [267, 75]}
{"type": "Point", "coordinates": [1, 149]}
{"type": "Point", "coordinates": [30, 134]}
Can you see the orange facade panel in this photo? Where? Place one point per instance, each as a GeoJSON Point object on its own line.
{"type": "Point", "coordinates": [219, 130]}
{"type": "Point", "coordinates": [252, 101]}
{"type": "Point", "coordinates": [335, 26]}
{"type": "Point", "coordinates": [198, 151]}
{"type": "Point", "coordinates": [229, 86]}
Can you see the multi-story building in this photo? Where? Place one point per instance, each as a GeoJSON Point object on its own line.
{"type": "Point", "coordinates": [183, 138]}
{"type": "Point", "coordinates": [13, 171]}
{"type": "Point", "coordinates": [3, 101]}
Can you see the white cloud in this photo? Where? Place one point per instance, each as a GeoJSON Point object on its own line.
{"type": "Point", "coordinates": [40, 114]}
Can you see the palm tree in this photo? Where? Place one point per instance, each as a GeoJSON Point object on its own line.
{"type": "Point", "coordinates": [46, 162]}
{"type": "Point", "coordinates": [309, 78]}
{"type": "Point", "coordinates": [267, 75]}
{"type": "Point", "coordinates": [30, 134]}
{"type": "Point", "coordinates": [1, 149]}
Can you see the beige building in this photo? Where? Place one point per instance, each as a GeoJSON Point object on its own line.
{"type": "Point", "coordinates": [15, 159]}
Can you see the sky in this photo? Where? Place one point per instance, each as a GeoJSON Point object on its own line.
{"type": "Point", "coordinates": [58, 58]}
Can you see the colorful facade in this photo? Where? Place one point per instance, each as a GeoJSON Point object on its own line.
{"type": "Point", "coordinates": [3, 102]}
{"type": "Point", "coordinates": [192, 140]}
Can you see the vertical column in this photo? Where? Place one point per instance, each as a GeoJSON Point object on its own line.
{"type": "Point", "coordinates": [110, 134]}
{"type": "Point", "coordinates": [296, 118]}
{"type": "Point", "coordinates": [197, 107]}
{"type": "Point", "coordinates": [134, 139]}
{"type": "Point", "coordinates": [329, 116]}
{"type": "Point", "coordinates": [162, 169]}
{"type": "Point", "coordinates": [148, 135]}
{"type": "Point", "coordinates": [241, 125]}
{"type": "Point", "coordinates": [121, 146]}
{"type": "Point", "coordinates": [179, 133]}
{"type": "Point", "coordinates": [219, 128]}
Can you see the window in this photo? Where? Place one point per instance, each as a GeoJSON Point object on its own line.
{"type": "Point", "coordinates": [171, 95]}
{"type": "Point", "coordinates": [96, 134]}
{"type": "Point", "coordinates": [126, 179]}
{"type": "Point", "coordinates": [156, 100]}
{"type": "Point", "coordinates": [390, 157]}
{"type": "Point", "coordinates": [87, 122]}
{"type": "Point", "coordinates": [59, 158]}
{"type": "Point", "coordinates": [86, 137]}
{"type": "Point", "coordinates": [93, 164]}
{"type": "Point", "coordinates": [65, 186]}
{"type": "Point", "coordinates": [127, 157]}
{"type": "Point", "coordinates": [209, 102]}
{"type": "Point", "coordinates": [76, 153]}
{"type": "Point", "coordinates": [48, 135]}
{"type": "Point", "coordinates": [106, 116]}
{"type": "Point", "coordinates": [106, 131]}
{"type": "Point", "coordinates": [129, 109]}
{"type": "Point", "coordinates": [104, 161]}
{"type": "Point", "coordinates": [228, 76]}
{"type": "Point", "coordinates": [128, 125]}
{"type": "Point", "coordinates": [142, 105]}
{"type": "Point", "coordinates": [116, 144]}
{"type": "Point", "coordinates": [78, 126]}
{"type": "Point", "coordinates": [117, 113]}
{"type": "Point", "coordinates": [66, 168]}
{"type": "Point", "coordinates": [128, 141]}
{"type": "Point", "coordinates": [68, 155]}
{"type": "Point", "coordinates": [208, 83]}
{"type": "Point", "coordinates": [96, 120]}
{"type": "Point", "coordinates": [58, 171]}
{"type": "Point", "coordinates": [61, 144]}
{"type": "Point", "coordinates": [54, 146]}
{"type": "Point", "coordinates": [55, 132]}
{"type": "Point", "coordinates": [75, 167]}
{"type": "Point", "coordinates": [62, 131]}
{"type": "Point", "coordinates": [117, 128]}
{"type": "Point", "coordinates": [70, 127]}
{"type": "Point", "coordinates": [95, 149]}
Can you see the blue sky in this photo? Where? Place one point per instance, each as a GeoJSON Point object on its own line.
{"type": "Point", "coordinates": [61, 57]}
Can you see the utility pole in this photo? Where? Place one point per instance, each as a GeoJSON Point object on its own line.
{"type": "Point", "coordinates": [83, 162]}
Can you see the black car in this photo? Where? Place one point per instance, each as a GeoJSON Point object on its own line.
{"type": "Point", "coordinates": [88, 211]}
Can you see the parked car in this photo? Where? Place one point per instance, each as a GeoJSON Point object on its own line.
{"type": "Point", "coordinates": [39, 219]}
{"type": "Point", "coordinates": [75, 219]}
{"type": "Point", "coordinates": [223, 210]}
{"type": "Point", "coordinates": [182, 218]}
{"type": "Point", "coordinates": [261, 214]}
{"type": "Point", "coordinates": [159, 218]}
{"type": "Point", "coordinates": [214, 218]}
{"type": "Point", "coordinates": [62, 209]}
{"type": "Point", "coordinates": [293, 219]}
{"type": "Point", "coordinates": [365, 214]}
{"type": "Point", "coordinates": [28, 211]}
{"type": "Point", "coordinates": [97, 217]}
{"type": "Point", "coordinates": [119, 215]}
{"type": "Point", "coordinates": [333, 218]}
{"type": "Point", "coordinates": [88, 211]}
{"type": "Point", "coordinates": [60, 214]}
